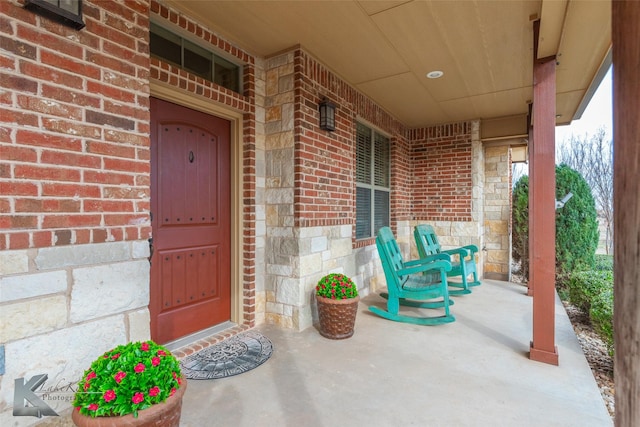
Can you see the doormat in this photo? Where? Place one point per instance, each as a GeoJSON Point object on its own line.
{"type": "Point", "coordinates": [232, 356]}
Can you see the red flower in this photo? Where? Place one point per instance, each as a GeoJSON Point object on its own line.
{"type": "Point", "coordinates": [115, 356]}
{"type": "Point", "coordinates": [139, 368]}
{"type": "Point", "coordinates": [153, 391]}
{"type": "Point", "coordinates": [144, 346]}
{"type": "Point", "coordinates": [91, 375]}
{"type": "Point", "coordinates": [173, 391]}
{"type": "Point", "coordinates": [155, 361]}
{"type": "Point", "coordinates": [175, 377]}
{"type": "Point", "coordinates": [162, 353]}
{"type": "Point", "coordinates": [137, 398]}
{"type": "Point", "coordinates": [93, 407]}
{"type": "Point", "coordinates": [86, 386]}
{"type": "Point", "coordinates": [119, 376]}
{"type": "Point", "coordinates": [109, 395]}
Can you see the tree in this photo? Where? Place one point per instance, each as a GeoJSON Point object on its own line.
{"type": "Point", "coordinates": [593, 159]}
{"type": "Point", "coordinates": [576, 223]}
{"type": "Point", "coordinates": [520, 224]}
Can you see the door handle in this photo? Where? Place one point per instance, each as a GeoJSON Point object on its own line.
{"type": "Point", "coordinates": [150, 249]}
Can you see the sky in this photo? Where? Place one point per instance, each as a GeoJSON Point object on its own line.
{"type": "Point", "coordinates": [597, 114]}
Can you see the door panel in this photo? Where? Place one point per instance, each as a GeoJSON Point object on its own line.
{"type": "Point", "coordinates": [190, 202]}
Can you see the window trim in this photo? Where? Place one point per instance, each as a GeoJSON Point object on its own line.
{"type": "Point", "coordinates": [57, 13]}
{"type": "Point", "coordinates": [371, 185]}
{"type": "Point", "coordinates": [216, 55]}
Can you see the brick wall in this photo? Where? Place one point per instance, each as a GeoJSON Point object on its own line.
{"type": "Point", "coordinates": [74, 189]}
{"type": "Point", "coordinates": [325, 161]}
{"type": "Point", "coordinates": [74, 127]}
{"type": "Point", "coordinates": [442, 184]}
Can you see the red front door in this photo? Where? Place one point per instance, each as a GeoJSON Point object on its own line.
{"type": "Point", "coordinates": [190, 206]}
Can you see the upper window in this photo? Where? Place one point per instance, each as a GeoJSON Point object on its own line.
{"type": "Point", "coordinates": [373, 181]}
{"type": "Point", "coordinates": [67, 12]}
{"type": "Point", "coordinates": [197, 60]}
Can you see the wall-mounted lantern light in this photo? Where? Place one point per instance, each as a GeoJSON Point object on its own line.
{"type": "Point", "coordinates": [66, 12]}
{"type": "Point", "coordinates": [327, 115]}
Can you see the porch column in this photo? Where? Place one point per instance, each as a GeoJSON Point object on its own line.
{"type": "Point", "coordinates": [542, 190]}
{"type": "Point", "coordinates": [626, 189]}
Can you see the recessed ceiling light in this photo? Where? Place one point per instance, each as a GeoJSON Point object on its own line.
{"type": "Point", "coordinates": [436, 74]}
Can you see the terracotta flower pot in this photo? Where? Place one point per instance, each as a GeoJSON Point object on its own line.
{"type": "Point", "coordinates": [166, 414]}
{"type": "Point", "coordinates": [337, 316]}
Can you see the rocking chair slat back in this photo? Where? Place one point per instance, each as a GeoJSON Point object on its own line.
{"type": "Point", "coordinates": [418, 283]}
{"type": "Point", "coordinates": [465, 264]}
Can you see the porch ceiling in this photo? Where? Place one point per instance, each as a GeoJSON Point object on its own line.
{"type": "Point", "coordinates": [386, 48]}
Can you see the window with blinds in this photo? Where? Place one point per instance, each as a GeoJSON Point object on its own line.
{"type": "Point", "coordinates": [373, 181]}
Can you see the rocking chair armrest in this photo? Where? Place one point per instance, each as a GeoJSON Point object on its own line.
{"type": "Point", "coordinates": [421, 268]}
{"type": "Point", "coordinates": [471, 248]}
{"type": "Point", "coordinates": [428, 259]}
{"type": "Point", "coordinates": [462, 252]}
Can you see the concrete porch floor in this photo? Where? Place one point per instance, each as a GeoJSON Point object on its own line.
{"type": "Point", "coordinates": [473, 372]}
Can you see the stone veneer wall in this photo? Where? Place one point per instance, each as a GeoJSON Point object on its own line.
{"type": "Point", "coordinates": [63, 307]}
{"type": "Point", "coordinates": [310, 188]}
{"type": "Point", "coordinates": [497, 207]}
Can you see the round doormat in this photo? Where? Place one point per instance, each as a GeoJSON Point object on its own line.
{"type": "Point", "coordinates": [232, 356]}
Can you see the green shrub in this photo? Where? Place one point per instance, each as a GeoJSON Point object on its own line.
{"type": "Point", "coordinates": [576, 224]}
{"type": "Point", "coordinates": [603, 262]}
{"type": "Point", "coordinates": [520, 230]}
{"type": "Point", "coordinates": [584, 286]}
{"type": "Point", "coordinates": [601, 315]}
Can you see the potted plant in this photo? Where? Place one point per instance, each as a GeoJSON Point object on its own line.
{"type": "Point", "coordinates": [337, 298]}
{"type": "Point", "coordinates": [138, 383]}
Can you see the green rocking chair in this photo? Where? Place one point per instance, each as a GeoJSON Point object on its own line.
{"type": "Point", "coordinates": [428, 245]}
{"type": "Point", "coordinates": [418, 283]}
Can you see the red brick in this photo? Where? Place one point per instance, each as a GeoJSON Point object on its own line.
{"type": "Point", "coordinates": [52, 75]}
{"type": "Point", "coordinates": [21, 154]}
{"type": "Point", "coordinates": [70, 221]}
{"type": "Point", "coordinates": [83, 99]}
{"type": "Point", "coordinates": [40, 139]}
{"type": "Point", "coordinates": [126, 165]}
{"type": "Point", "coordinates": [18, 241]}
{"type": "Point", "coordinates": [75, 67]}
{"type": "Point", "coordinates": [111, 178]}
{"type": "Point", "coordinates": [108, 206]}
{"type": "Point", "coordinates": [42, 173]}
{"type": "Point", "coordinates": [110, 92]}
{"type": "Point", "coordinates": [70, 190]}
{"type": "Point", "coordinates": [23, 119]}
{"type": "Point", "coordinates": [32, 103]}
{"type": "Point", "coordinates": [42, 239]}
{"type": "Point", "coordinates": [73, 128]}
{"type": "Point", "coordinates": [83, 236]}
{"type": "Point", "coordinates": [47, 40]}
